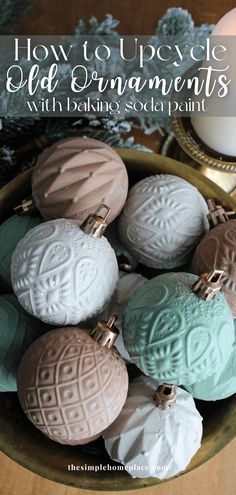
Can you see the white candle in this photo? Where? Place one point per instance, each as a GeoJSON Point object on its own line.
{"type": "Point", "coordinates": [219, 132]}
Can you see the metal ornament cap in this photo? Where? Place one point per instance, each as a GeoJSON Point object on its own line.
{"type": "Point", "coordinates": [165, 396]}
{"type": "Point", "coordinates": [208, 285]}
{"type": "Point", "coordinates": [95, 224]}
{"type": "Point", "coordinates": [105, 333]}
{"type": "Point", "coordinates": [25, 207]}
{"type": "Point", "coordinates": [217, 213]}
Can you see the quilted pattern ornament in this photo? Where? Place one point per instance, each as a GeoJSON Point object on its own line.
{"type": "Point", "coordinates": [75, 175]}
{"type": "Point", "coordinates": [221, 384]}
{"type": "Point", "coordinates": [174, 334]}
{"type": "Point", "coordinates": [11, 232]}
{"type": "Point", "coordinates": [158, 431]}
{"type": "Point", "coordinates": [218, 250]}
{"type": "Point", "coordinates": [63, 273]}
{"type": "Point", "coordinates": [72, 384]}
{"type": "Point", "coordinates": [17, 331]}
{"type": "Point", "coordinates": [162, 221]}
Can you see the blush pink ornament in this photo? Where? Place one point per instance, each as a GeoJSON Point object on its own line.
{"type": "Point", "coordinates": [73, 384]}
{"type": "Point", "coordinates": [73, 176]}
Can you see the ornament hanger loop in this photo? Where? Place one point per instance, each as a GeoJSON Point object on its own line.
{"type": "Point", "coordinates": [105, 333]}
{"type": "Point", "coordinates": [165, 396]}
{"type": "Point", "coordinates": [95, 224]}
{"type": "Point", "coordinates": [208, 285]}
{"type": "Point", "coordinates": [217, 213]}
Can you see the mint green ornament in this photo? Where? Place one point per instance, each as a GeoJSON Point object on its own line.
{"type": "Point", "coordinates": [221, 384]}
{"type": "Point", "coordinates": [11, 232]}
{"type": "Point", "coordinates": [173, 335]}
{"type": "Point", "coordinates": [17, 331]}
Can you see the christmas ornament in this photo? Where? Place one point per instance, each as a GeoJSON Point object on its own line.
{"type": "Point", "coordinates": [217, 250]}
{"type": "Point", "coordinates": [221, 384]}
{"type": "Point", "coordinates": [75, 175]}
{"type": "Point", "coordinates": [11, 232]}
{"type": "Point", "coordinates": [17, 331]}
{"type": "Point", "coordinates": [157, 432]}
{"type": "Point", "coordinates": [178, 328]}
{"type": "Point", "coordinates": [63, 273]}
{"type": "Point", "coordinates": [126, 286]}
{"type": "Point", "coordinates": [125, 260]}
{"type": "Point", "coordinates": [71, 384]}
{"type": "Point", "coordinates": [162, 221]}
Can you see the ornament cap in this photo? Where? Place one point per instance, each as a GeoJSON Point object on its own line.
{"type": "Point", "coordinates": [208, 285]}
{"type": "Point", "coordinates": [124, 264]}
{"type": "Point", "coordinates": [217, 213]}
{"type": "Point", "coordinates": [95, 224]}
{"type": "Point", "coordinates": [105, 333]}
{"type": "Point", "coordinates": [26, 206]}
{"type": "Point", "coordinates": [165, 396]}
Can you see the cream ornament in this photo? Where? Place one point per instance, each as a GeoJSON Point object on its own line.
{"type": "Point", "coordinates": [63, 273]}
{"type": "Point", "coordinates": [162, 221]}
{"type": "Point", "coordinates": [151, 439]}
{"type": "Point", "coordinates": [126, 286]}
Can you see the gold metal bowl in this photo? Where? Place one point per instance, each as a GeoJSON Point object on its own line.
{"type": "Point", "coordinates": [30, 448]}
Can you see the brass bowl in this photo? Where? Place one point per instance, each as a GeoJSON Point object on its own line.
{"type": "Point", "coordinates": [27, 446]}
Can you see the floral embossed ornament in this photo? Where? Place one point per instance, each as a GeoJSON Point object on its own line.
{"type": "Point", "coordinates": [163, 220]}
{"type": "Point", "coordinates": [178, 328]}
{"type": "Point", "coordinates": [63, 273]}
{"type": "Point", "coordinates": [73, 384]}
{"type": "Point", "coordinates": [217, 250]}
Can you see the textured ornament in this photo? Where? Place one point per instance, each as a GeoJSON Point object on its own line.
{"type": "Point", "coordinates": [11, 232]}
{"type": "Point", "coordinates": [75, 175]}
{"type": "Point", "coordinates": [17, 331]}
{"type": "Point", "coordinates": [150, 441]}
{"type": "Point", "coordinates": [70, 386]}
{"type": "Point", "coordinates": [162, 221]}
{"type": "Point", "coordinates": [217, 249]}
{"type": "Point", "coordinates": [221, 384]}
{"type": "Point", "coordinates": [173, 335]}
{"type": "Point", "coordinates": [126, 286]}
{"type": "Point", "coordinates": [63, 275]}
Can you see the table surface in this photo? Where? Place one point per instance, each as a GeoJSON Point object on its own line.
{"type": "Point", "coordinates": [217, 476]}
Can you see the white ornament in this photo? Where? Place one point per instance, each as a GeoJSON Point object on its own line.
{"type": "Point", "coordinates": [163, 220]}
{"type": "Point", "coordinates": [127, 284]}
{"type": "Point", "coordinates": [149, 441]}
{"type": "Point", "coordinates": [61, 274]}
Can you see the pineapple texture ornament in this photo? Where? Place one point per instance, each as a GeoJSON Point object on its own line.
{"type": "Point", "coordinates": [73, 384]}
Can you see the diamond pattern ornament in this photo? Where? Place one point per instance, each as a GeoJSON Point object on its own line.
{"type": "Point", "coordinates": [11, 232]}
{"type": "Point", "coordinates": [173, 335]}
{"type": "Point", "coordinates": [75, 175]}
{"type": "Point", "coordinates": [17, 331]}
{"type": "Point", "coordinates": [163, 220]}
{"type": "Point", "coordinates": [61, 274]}
{"type": "Point", "coordinates": [70, 387]}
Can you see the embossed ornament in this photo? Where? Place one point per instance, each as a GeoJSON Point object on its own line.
{"type": "Point", "coordinates": [173, 335]}
{"type": "Point", "coordinates": [11, 232]}
{"type": "Point", "coordinates": [149, 441]}
{"type": "Point", "coordinates": [221, 384]}
{"type": "Point", "coordinates": [75, 175]}
{"type": "Point", "coordinates": [162, 221]}
{"type": "Point", "coordinates": [70, 386]}
{"type": "Point", "coordinates": [17, 331]}
{"type": "Point", "coordinates": [62, 273]}
{"type": "Point", "coordinates": [217, 250]}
